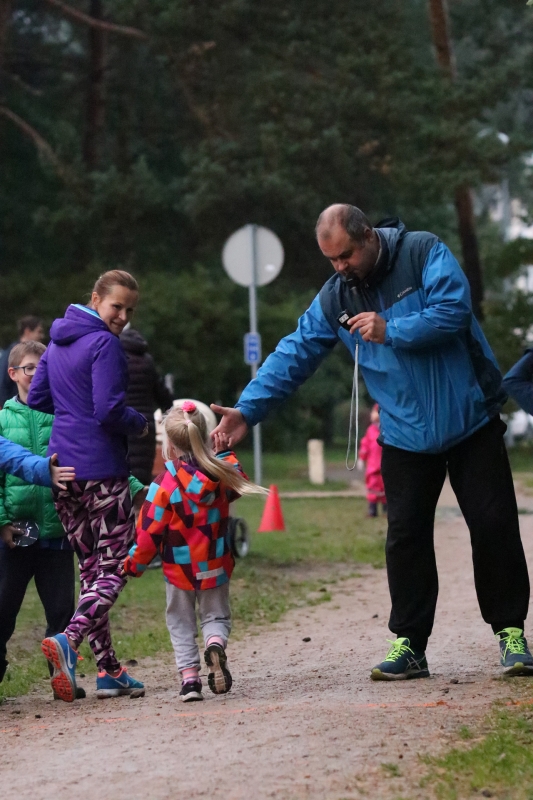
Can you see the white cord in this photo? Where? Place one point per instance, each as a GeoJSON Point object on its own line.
{"type": "Point", "coordinates": [355, 393]}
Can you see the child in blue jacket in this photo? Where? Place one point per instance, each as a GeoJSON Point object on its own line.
{"type": "Point", "coordinates": [33, 469]}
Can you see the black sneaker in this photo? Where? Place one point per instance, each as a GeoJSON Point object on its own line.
{"type": "Point", "coordinates": [514, 652]}
{"type": "Point", "coordinates": [401, 663]}
{"type": "Point", "coordinates": [219, 678]}
{"type": "Point", "coordinates": [191, 691]}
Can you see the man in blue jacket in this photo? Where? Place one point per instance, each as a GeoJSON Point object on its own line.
{"type": "Point", "coordinates": [427, 364]}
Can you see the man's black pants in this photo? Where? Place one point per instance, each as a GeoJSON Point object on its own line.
{"type": "Point", "coordinates": [481, 478]}
{"type": "Point", "coordinates": [53, 571]}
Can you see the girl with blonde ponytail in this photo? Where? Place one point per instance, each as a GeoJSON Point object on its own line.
{"type": "Point", "coordinates": [185, 519]}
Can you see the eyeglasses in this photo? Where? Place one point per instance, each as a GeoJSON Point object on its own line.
{"type": "Point", "coordinates": [29, 370]}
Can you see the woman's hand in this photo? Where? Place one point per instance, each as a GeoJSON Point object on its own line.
{"type": "Point", "coordinates": [61, 475]}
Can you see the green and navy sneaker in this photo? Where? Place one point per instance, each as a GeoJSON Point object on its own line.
{"type": "Point", "coordinates": [401, 663]}
{"type": "Point", "coordinates": [514, 652]}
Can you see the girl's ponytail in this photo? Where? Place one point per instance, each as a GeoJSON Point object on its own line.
{"type": "Point", "coordinates": [186, 429]}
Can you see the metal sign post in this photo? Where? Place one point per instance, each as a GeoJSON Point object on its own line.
{"type": "Point", "coordinates": [252, 257]}
{"type": "Point", "coordinates": [252, 295]}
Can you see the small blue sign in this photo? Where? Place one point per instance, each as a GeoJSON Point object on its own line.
{"type": "Point", "coordinates": [252, 348]}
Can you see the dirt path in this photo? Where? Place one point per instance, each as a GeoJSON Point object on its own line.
{"type": "Point", "coordinates": [303, 720]}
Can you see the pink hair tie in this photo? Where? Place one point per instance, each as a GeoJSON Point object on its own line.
{"type": "Point", "coordinates": [188, 406]}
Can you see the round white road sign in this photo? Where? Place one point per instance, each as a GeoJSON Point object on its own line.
{"type": "Point", "coordinates": [238, 255]}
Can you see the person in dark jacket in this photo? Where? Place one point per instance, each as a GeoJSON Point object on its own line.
{"type": "Point", "coordinates": [146, 393]}
{"type": "Point", "coordinates": [82, 379]}
{"type": "Point", "coordinates": [30, 329]}
{"type": "Point", "coordinates": [405, 302]}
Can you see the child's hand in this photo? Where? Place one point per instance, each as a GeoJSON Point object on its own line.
{"type": "Point", "coordinates": [220, 442]}
{"type": "Point", "coordinates": [6, 535]}
{"type": "Point", "coordinates": [61, 475]}
{"type": "Point", "coordinates": [128, 569]}
{"type": "Point", "coordinates": [139, 498]}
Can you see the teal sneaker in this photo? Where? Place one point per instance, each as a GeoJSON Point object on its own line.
{"type": "Point", "coordinates": [515, 657]}
{"type": "Point", "coordinates": [401, 663]}
{"type": "Point", "coordinates": [113, 686]}
{"type": "Point", "coordinates": [63, 659]}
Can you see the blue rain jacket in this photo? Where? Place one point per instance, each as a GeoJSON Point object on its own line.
{"type": "Point", "coordinates": [519, 382]}
{"type": "Point", "coordinates": [435, 377]}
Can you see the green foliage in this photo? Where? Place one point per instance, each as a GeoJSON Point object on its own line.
{"type": "Point", "coordinates": [233, 111]}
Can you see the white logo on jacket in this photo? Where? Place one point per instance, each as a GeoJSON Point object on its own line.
{"type": "Point", "coordinates": [404, 291]}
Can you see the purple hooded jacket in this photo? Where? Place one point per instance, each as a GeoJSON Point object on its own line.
{"type": "Point", "coordinates": [82, 379]}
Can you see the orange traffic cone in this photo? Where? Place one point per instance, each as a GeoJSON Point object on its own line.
{"type": "Point", "coordinates": [272, 519]}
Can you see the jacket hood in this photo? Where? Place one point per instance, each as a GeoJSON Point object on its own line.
{"type": "Point", "coordinates": [391, 232]}
{"type": "Point", "coordinates": [77, 322]}
{"type": "Point", "coordinates": [13, 404]}
{"type": "Point", "coordinates": [133, 342]}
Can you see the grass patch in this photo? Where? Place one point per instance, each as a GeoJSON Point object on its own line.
{"type": "Point", "coordinates": [500, 766]}
{"type": "Point", "coordinates": [521, 458]}
{"type": "Point", "coordinates": [289, 471]}
{"type": "Point", "coordinates": [330, 529]}
{"type": "Point", "coordinates": [282, 570]}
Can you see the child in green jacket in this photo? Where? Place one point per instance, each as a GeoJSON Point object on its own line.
{"type": "Point", "coordinates": [50, 559]}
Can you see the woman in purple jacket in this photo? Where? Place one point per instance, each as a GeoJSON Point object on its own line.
{"type": "Point", "coordinates": [82, 379]}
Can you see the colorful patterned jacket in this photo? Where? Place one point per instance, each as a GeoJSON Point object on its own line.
{"type": "Point", "coordinates": [185, 519]}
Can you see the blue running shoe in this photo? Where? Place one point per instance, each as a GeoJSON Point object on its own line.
{"type": "Point", "coordinates": [514, 652]}
{"type": "Point", "coordinates": [63, 659]}
{"type": "Point", "coordinates": [109, 686]}
{"type": "Point", "coordinates": [401, 663]}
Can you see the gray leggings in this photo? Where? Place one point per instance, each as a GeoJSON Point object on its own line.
{"type": "Point", "coordinates": [215, 620]}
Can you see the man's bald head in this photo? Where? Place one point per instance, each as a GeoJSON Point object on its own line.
{"type": "Point", "coordinates": [350, 218]}
{"type": "Point", "coordinates": [347, 238]}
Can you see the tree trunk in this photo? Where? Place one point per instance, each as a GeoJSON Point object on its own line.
{"type": "Point", "coordinates": [5, 16]}
{"type": "Point", "coordinates": [95, 108]}
{"type": "Point", "coordinates": [467, 232]}
{"type": "Point", "coordinates": [438, 11]}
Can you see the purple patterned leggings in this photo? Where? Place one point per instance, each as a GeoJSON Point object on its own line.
{"type": "Point", "coordinates": [99, 520]}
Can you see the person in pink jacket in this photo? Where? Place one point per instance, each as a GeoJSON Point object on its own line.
{"type": "Point", "coordinates": [370, 452]}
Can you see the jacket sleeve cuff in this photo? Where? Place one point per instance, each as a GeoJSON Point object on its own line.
{"type": "Point", "coordinates": [248, 416]}
{"type": "Point", "coordinates": [389, 329]}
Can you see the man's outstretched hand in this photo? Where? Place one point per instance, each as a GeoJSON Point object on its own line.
{"type": "Point", "coordinates": [232, 424]}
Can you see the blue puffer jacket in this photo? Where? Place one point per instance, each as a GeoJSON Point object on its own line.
{"type": "Point", "coordinates": [435, 378]}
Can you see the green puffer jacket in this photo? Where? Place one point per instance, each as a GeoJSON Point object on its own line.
{"type": "Point", "coordinates": [18, 499]}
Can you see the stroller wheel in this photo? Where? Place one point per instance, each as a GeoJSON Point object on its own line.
{"type": "Point", "coordinates": [238, 537]}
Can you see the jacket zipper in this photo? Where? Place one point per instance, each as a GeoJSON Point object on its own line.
{"type": "Point", "coordinates": [400, 357]}
{"type": "Point", "coordinates": [36, 449]}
